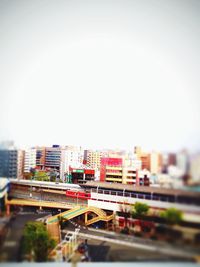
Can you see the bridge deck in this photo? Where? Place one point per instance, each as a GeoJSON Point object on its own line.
{"type": "Point", "coordinates": [36, 203]}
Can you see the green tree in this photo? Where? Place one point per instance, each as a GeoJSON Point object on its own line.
{"type": "Point", "coordinates": [172, 215]}
{"type": "Point", "coordinates": [140, 209]}
{"type": "Point", "coordinates": [41, 176]}
{"type": "Point", "coordinates": [37, 241]}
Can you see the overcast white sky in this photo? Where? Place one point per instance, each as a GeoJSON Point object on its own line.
{"type": "Point", "coordinates": [100, 74]}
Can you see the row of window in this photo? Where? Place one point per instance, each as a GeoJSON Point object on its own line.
{"type": "Point", "coordinates": [151, 196]}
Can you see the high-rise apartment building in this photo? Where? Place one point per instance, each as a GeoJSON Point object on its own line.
{"type": "Point", "coordinates": [9, 163]}
{"type": "Point", "coordinates": [155, 163]}
{"type": "Point", "coordinates": [94, 158]}
{"type": "Point", "coordinates": [29, 159]}
{"type": "Point", "coordinates": [53, 157]}
{"type": "Point", "coordinates": [73, 156]}
{"type": "Point", "coordinates": [40, 157]}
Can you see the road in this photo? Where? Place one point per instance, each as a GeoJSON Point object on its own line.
{"type": "Point", "coordinates": [141, 248]}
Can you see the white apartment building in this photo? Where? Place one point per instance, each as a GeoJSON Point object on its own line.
{"type": "Point", "coordinates": [29, 159]}
{"type": "Point", "coordinates": [72, 156]}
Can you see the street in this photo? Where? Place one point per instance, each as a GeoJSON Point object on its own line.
{"type": "Point", "coordinates": [110, 246]}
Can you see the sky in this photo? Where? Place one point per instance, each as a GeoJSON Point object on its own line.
{"type": "Point", "coordinates": [100, 73]}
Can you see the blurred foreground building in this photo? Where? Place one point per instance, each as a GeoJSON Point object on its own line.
{"type": "Point", "coordinates": [11, 161]}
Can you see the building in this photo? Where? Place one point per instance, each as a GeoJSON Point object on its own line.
{"type": "Point", "coordinates": [58, 158]}
{"type": "Point", "coordinates": [20, 164]}
{"type": "Point", "coordinates": [94, 158]}
{"type": "Point", "coordinates": [171, 159]}
{"type": "Point", "coordinates": [111, 170]}
{"type": "Point", "coordinates": [182, 161]}
{"type": "Point", "coordinates": [138, 151]}
{"type": "Point", "coordinates": [145, 158]}
{"type": "Point", "coordinates": [81, 175]}
{"type": "Point", "coordinates": [155, 163]}
{"type": "Point", "coordinates": [11, 160]}
{"type": "Point", "coordinates": [29, 159]}
{"type": "Point", "coordinates": [194, 170]}
{"type": "Point", "coordinates": [61, 158]}
{"type": "Point", "coordinates": [53, 157]}
{"type": "Point", "coordinates": [73, 157]}
{"type": "Point", "coordinates": [40, 158]}
{"type": "Point", "coordinates": [123, 170]}
{"type": "Point", "coordinates": [9, 163]}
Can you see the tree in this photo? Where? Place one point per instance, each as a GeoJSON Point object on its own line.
{"type": "Point", "coordinates": [33, 171]}
{"type": "Point", "coordinates": [140, 209]}
{"type": "Point", "coordinates": [41, 176]}
{"type": "Point", "coordinates": [37, 241]}
{"type": "Point", "coordinates": [27, 176]}
{"type": "Point", "coordinates": [172, 215]}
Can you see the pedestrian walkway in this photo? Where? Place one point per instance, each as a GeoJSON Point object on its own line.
{"type": "Point", "coordinates": [79, 210]}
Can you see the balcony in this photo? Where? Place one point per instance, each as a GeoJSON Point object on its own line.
{"type": "Point", "coordinates": [114, 173]}
{"type": "Point", "coordinates": [113, 168]}
{"type": "Point", "coordinates": [113, 179]}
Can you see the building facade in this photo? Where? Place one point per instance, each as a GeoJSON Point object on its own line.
{"type": "Point", "coordinates": [40, 158]}
{"type": "Point", "coordinates": [94, 158]}
{"type": "Point", "coordinates": [9, 163]}
{"type": "Point", "coordinates": [81, 175]}
{"type": "Point", "coordinates": [29, 159]}
{"type": "Point", "coordinates": [20, 164]}
{"type": "Point", "coordinates": [123, 170]}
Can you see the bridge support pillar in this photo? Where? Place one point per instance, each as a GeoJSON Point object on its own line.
{"type": "Point", "coordinates": [86, 218]}
{"type": "Point", "coordinates": [7, 210]}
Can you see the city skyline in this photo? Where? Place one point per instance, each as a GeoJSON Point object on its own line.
{"type": "Point", "coordinates": [101, 74]}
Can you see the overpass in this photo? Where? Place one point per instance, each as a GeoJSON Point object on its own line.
{"type": "Point", "coordinates": [53, 226]}
{"type": "Point", "coordinates": [79, 210]}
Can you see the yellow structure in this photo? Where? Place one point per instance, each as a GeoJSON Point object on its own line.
{"type": "Point", "coordinates": [79, 210]}
{"type": "Point", "coordinates": [53, 222]}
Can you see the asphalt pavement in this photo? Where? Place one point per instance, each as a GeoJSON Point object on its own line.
{"type": "Point", "coordinates": [134, 248]}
